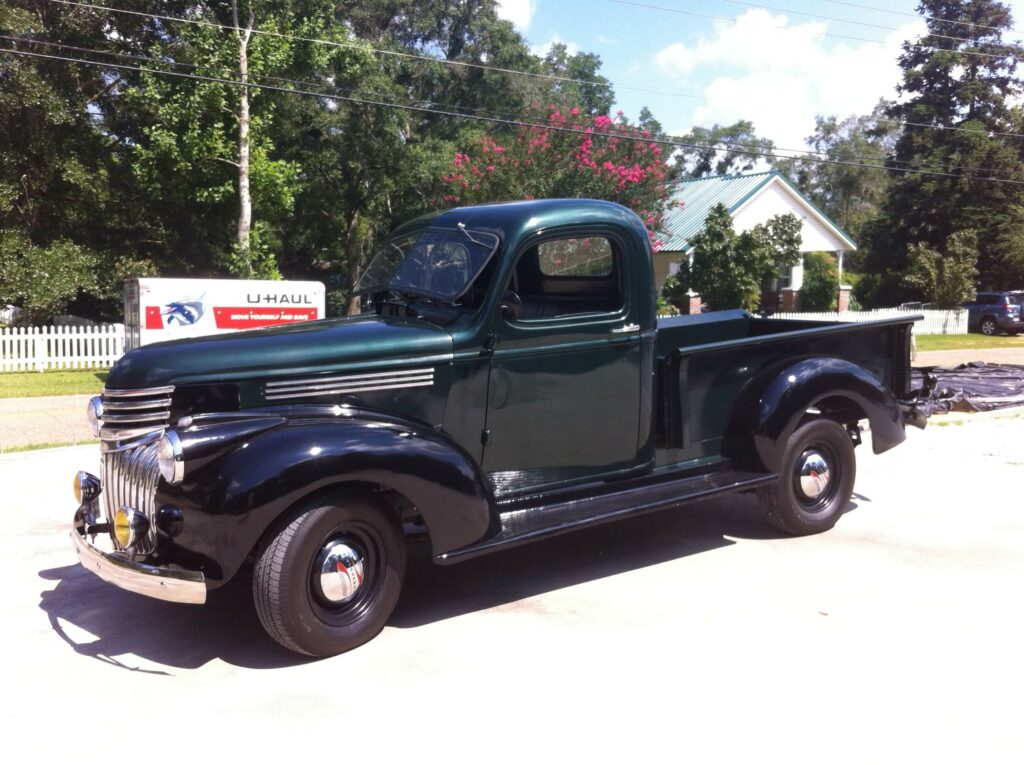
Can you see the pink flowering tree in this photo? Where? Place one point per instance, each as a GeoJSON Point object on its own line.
{"type": "Point", "coordinates": [566, 154]}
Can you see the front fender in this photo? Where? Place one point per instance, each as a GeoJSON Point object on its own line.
{"type": "Point", "coordinates": [229, 504]}
{"type": "Point", "coordinates": [772, 404]}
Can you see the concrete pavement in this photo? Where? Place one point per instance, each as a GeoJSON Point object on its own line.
{"type": "Point", "coordinates": [698, 634]}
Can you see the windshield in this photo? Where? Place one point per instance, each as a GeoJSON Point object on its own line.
{"type": "Point", "coordinates": [435, 263]}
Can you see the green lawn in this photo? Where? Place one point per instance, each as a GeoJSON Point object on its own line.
{"type": "Point", "coordinates": [51, 383]}
{"type": "Point", "coordinates": [967, 342]}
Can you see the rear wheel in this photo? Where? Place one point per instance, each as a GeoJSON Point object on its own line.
{"type": "Point", "coordinates": [815, 480]}
{"type": "Point", "coordinates": [328, 581]}
{"type": "Point", "coordinates": [989, 326]}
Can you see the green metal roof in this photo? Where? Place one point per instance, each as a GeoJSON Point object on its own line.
{"type": "Point", "coordinates": [699, 195]}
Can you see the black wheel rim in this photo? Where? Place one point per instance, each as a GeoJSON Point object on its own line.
{"type": "Point", "coordinates": [809, 501]}
{"type": "Point", "coordinates": [367, 541]}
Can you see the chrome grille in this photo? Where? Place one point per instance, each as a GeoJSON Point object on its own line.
{"type": "Point", "coordinates": [129, 416]}
{"type": "Point", "coordinates": [130, 478]}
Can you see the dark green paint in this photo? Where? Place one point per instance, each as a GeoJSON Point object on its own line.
{"type": "Point", "coordinates": [536, 402]}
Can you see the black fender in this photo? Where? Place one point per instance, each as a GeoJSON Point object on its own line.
{"type": "Point", "coordinates": [230, 503]}
{"type": "Point", "coordinates": [772, 404]}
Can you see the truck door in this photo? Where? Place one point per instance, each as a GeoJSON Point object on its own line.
{"type": "Point", "coordinates": [564, 388]}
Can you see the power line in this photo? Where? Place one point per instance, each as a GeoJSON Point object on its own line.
{"type": "Point", "coordinates": [916, 16]}
{"type": "Point", "coordinates": [362, 45]}
{"type": "Point", "coordinates": [662, 141]}
{"type": "Point", "coordinates": [723, 145]}
{"type": "Point", "coordinates": [744, 3]}
{"type": "Point", "coordinates": [734, 20]}
{"type": "Point", "coordinates": [202, 22]}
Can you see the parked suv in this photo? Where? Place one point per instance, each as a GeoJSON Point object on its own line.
{"type": "Point", "coordinates": [993, 312]}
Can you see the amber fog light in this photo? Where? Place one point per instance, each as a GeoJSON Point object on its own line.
{"type": "Point", "coordinates": [129, 526]}
{"type": "Point", "coordinates": [86, 487]}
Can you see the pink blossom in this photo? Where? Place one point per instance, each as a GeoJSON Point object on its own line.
{"type": "Point", "coordinates": [574, 111]}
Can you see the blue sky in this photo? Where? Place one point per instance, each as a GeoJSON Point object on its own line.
{"type": "Point", "coordinates": [775, 62]}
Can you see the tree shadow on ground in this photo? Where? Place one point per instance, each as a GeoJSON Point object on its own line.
{"type": "Point", "coordinates": [122, 625]}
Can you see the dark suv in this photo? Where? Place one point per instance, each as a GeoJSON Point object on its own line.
{"type": "Point", "coordinates": [993, 312]}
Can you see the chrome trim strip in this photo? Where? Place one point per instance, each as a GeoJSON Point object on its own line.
{"type": "Point", "coordinates": [352, 383]}
{"type": "Point", "coordinates": [141, 417]}
{"type": "Point", "coordinates": [361, 383]}
{"type": "Point", "coordinates": [135, 392]}
{"type": "Point", "coordinates": [152, 581]}
{"type": "Point", "coordinates": [128, 406]}
{"type": "Point", "coordinates": [307, 393]}
{"type": "Point", "coordinates": [347, 378]}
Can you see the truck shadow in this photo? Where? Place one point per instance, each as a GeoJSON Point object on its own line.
{"type": "Point", "coordinates": [119, 628]}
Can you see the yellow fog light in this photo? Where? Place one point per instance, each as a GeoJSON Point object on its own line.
{"type": "Point", "coordinates": [86, 487]}
{"type": "Point", "coordinates": [129, 526]}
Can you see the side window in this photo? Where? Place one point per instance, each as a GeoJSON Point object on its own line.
{"type": "Point", "coordinates": [589, 256]}
{"type": "Point", "coordinates": [570, 275]}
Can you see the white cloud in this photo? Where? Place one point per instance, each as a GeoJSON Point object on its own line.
{"type": "Point", "coordinates": [543, 48]}
{"type": "Point", "coordinates": [519, 12]}
{"type": "Point", "coordinates": [781, 78]}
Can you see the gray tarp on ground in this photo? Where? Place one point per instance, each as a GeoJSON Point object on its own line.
{"type": "Point", "coordinates": [973, 387]}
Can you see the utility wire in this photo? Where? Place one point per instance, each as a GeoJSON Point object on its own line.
{"type": "Point", "coordinates": [662, 141]}
{"type": "Point", "coordinates": [1015, 46]}
{"type": "Point", "coordinates": [363, 46]}
{"type": "Point", "coordinates": [201, 22]}
{"type": "Point", "coordinates": [733, 20]}
{"type": "Point", "coordinates": [723, 145]}
{"type": "Point", "coordinates": [916, 16]}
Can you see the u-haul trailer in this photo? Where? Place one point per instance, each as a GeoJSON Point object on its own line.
{"type": "Point", "coordinates": [169, 309]}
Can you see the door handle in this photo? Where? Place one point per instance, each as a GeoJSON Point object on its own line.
{"type": "Point", "coordinates": [626, 328]}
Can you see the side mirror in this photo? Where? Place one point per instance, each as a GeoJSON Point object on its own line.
{"type": "Point", "coordinates": [511, 306]}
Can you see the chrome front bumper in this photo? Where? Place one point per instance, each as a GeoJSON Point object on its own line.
{"type": "Point", "coordinates": [153, 581]}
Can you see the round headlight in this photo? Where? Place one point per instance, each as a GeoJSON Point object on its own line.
{"type": "Point", "coordinates": [171, 458]}
{"type": "Point", "coordinates": [94, 415]}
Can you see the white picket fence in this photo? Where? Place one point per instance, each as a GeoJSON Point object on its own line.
{"type": "Point", "coordinates": [26, 349]}
{"type": "Point", "coordinates": [934, 322]}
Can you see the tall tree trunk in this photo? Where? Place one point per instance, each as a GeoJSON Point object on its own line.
{"type": "Point", "coordinates": [244, 196]}
{"type": "Point", "coordinates": [353, 253]}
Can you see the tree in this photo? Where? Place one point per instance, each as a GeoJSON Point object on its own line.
{"type": "Point", "coordinates": [729, 270]}
{"type": "Point", "coordinates": [853, 184]}
{"type": "Point", "coordinates": [958, 80]}
{"type": "Point", "coordinates": [820, 290]}
{"type": "Point", "coordinates": [945, 279]}
{"type": "Point", "coordinates": [565, 153]}
{"type": "Point", "coordinates": [721, 149]}
{"type": "Point", "coordinates": [42, 280]}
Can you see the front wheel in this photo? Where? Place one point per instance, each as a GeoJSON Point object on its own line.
{"type": "Point", "coordinates": [815, 480]}
{"type": "Point", "coordinates": [328, 581]}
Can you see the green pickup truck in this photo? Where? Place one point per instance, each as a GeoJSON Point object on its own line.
{"type": "Point", "coordinates": [508, 381]}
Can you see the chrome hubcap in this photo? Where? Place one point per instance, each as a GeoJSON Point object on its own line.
{"type": "Point", "coordinates": [814, 474]}
{"type": "Point", "coordinates": [339, 567]}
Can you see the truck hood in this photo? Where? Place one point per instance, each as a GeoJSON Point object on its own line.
{"type": "Point", "coordinates": [321, 346]}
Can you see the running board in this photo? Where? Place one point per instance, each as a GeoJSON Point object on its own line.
{"type": "Point", "coordinates": [527, 524]}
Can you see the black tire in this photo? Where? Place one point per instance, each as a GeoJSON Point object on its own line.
{"type": "Point", "coordinates": [785, 503]}
{"type": "Point", "coordinates": [290, 600]}
{"type": "Point", "coordinates": [989, 326]}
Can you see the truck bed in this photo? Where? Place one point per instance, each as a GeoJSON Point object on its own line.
{"type": "Point", "coordinates": [703, 361]}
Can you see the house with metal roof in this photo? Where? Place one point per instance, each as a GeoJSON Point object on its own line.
{"type": "Point", "coordinates": [751, 199]}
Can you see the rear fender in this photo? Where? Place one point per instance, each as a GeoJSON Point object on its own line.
{"type": "Point", "coordinates": [772, 404]}
{"type": "Point", "coordinates": [233, 501]}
